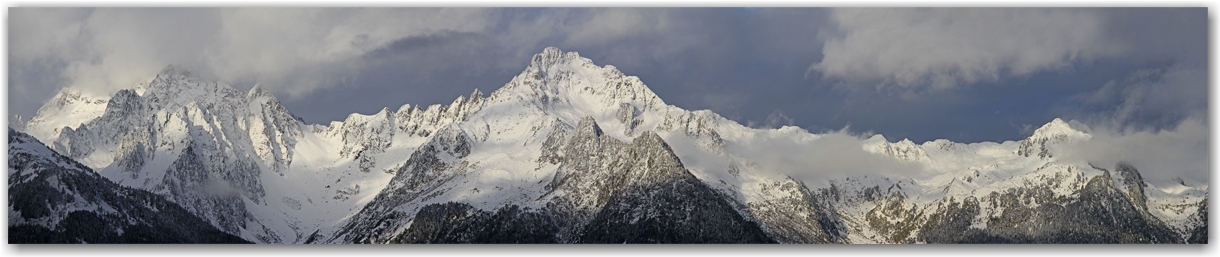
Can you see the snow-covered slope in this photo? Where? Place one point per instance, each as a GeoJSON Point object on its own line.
{"type": "Point", "coordinates": [68, 108]}
{"type": "Point", "coordinates": [568, 148]}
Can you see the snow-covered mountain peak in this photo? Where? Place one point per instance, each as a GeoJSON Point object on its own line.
{"type": "Point", "coordinates": [1057, 128]}
{"type": "Point", "coordinates": [555, 73]}
{"type": "Point", "coordinates": [68, 108]}
{"type": "Point", "coordinates": [356, 121]}
{"type": "Point", "coordinates": [124, 101]}
{"type": "Point", "coordinates": [904, 149]}
{"type": "Point", "coordinates": [71, 95]}
{"type": "Point", "coordinates": [476, 96]}
{"type": "Point", "coordinates": [1056, 131]}
{"type": "Point", "coordinates": [551, 56]}
{"type": "Point", "coordinates": [262, 102]}
{"type": "Point", "coordinates": [258, 91]}
{"type": "Point", "coordinates": [175, 87]}
{"type": "Point", "coordinates": [571, 87]}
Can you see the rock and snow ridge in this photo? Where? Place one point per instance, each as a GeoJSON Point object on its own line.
{"type": "Point", "coordinates": [522, 154]}
{"type": "Point", "coordinates": [67, 109]}
{"type": "Point", "coordinates": [54, 199]}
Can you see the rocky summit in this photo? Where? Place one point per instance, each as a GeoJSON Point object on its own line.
{"type": "Point", "coordinates": [565, 152]}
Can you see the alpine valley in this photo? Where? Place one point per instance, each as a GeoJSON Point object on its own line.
{"type": "Point", "coordinates": [565, 152]}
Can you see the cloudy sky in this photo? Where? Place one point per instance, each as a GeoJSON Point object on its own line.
{"type": "Point", "coordinates": [968, 75]}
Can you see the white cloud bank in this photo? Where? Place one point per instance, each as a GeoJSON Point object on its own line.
{"type": "Point", "coordinates": [1160, 155]}
{"type": "Point", "coordinates": [815, 159]}
{"type": "Point", "coordinates": [943, 47]}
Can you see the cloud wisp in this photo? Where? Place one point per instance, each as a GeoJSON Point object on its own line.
{"type": "Point", "coordinates": [817, 158]}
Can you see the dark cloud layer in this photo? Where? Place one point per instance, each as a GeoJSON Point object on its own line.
{"type": "Point", "coordinates": [1132, 67]}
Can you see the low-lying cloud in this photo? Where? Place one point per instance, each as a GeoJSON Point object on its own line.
{"type": "Point", "coordinates": [815, 159]}
{"type": "Point", "coordinates": [1161, 156]}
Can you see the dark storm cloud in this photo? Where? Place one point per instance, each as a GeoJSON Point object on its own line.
{"type": "Point", "coordinates": [420, 70]}
{"type": "Point", "coordinates": [1154, 98]}
{"type": "Point", "coordinates": [1175, 34]}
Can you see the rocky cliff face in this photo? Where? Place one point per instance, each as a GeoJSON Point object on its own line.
{"type": "Point", "coordinates": [663, 203]}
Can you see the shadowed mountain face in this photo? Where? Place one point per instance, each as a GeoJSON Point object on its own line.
{"type": "Point", "coordinates": [1101, 215]}
{"type": "Point", "coordinates": [457, 223]}
{"type": "Point", "coordinates": [53, 199]}
{"type": "Point", "coordinates": [607, 191]}
{"type": "Point", "coordinates": [664, 203]}
{"type": "Point", "coordinates": [1198, 235]}
{"type": "Point", "coordinates": [566, 152]}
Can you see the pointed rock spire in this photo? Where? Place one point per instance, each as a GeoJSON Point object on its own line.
{"type": "Point", "coordinates": [587, 125]}
{"type": "Point", "coordinates": [476, 96]}
{"type": "Point", "coordinates": [549, 56]}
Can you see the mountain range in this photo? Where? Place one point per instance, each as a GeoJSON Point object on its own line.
{"type": "Point", "coordinates": [565, 152]}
